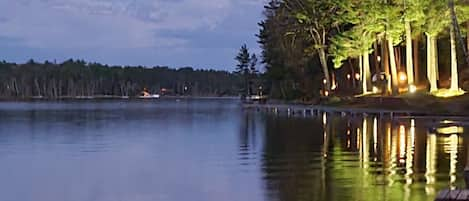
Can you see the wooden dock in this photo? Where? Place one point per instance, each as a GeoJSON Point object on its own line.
{"type": "Point", "coordinates": [315, 110]}
{"type": "Point", "coordinates": [453, 195]}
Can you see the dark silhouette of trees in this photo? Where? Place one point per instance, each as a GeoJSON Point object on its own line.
{"type": "Point", "coordinates": [246, 69]}
{"type": "Point", "coordinates": [74, 78]}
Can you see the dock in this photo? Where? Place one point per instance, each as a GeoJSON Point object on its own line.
{"type": "Point", "coordinates": [453, 195]}
{"type": "Point", "coordinates": [316, 110]}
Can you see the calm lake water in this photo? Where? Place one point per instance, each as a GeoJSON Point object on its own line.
{"type": "Point", "coordinates": [212, 150]}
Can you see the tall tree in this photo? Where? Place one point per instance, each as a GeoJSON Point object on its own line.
{"type": "Point", "coordinates": [437, 19]}
{"type": "Point", "coordinates": [245, 68]}
{"type": "Point", "coordinates": [316, 20]}
{"type": "Point", "coordinates": [414, 17]}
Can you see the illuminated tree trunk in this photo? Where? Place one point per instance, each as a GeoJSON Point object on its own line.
{"type": "Point", "coordinates": [409, 63]}
{"type": "Point", "coordinates": [435, 59]}
{"type": "Point", "coordinates": [360, 66]}
{"type": "Point", "coordinates": [322, 59]}
{"type": "Point", "coordinates": [431, 63]}
{"type": "Point", "coordinates": [366, 72]}
{"type": "Point", "coordinates": [454, 61]}
{"type": "Point", "coordinates": [394, 80]}
{"type": "Point", "coordinates": [415, 48]}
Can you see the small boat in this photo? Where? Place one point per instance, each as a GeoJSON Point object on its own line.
{"type": "Point", "coordinates": [150, 96]}
{"type": "Point", "coordinates": [256, 99]}
{"type": "Point", "coordinates": [146, 95]}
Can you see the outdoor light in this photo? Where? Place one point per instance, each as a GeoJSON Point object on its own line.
{"type": "Point", "coordinates": [378, 58]}
{"type": "Point", "coordinates": [357, 76]}
{"type": "Point", "coordinates": [412, 88]}
{"type": "Point", "coordinates": [348, 76]}
{"type": "Point", "coordinates": [402, 77]}
{"type": "Point", "coordinates": [324, 81]}
{"type": "Point", "coordinates": [326, 93]}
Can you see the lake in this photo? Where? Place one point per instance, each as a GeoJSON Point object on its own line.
{"type": "Point", "coordinates": [212, 150]}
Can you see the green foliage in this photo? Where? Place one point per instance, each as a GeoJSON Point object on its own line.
{"type": "Point", "coordinates": [437, 17]}
{"type": "Point", "coordinates": [291, 72]}
{"type": "Point", "coordinates": [295, 31]}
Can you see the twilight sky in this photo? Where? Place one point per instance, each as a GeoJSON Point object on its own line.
{"type": "Point", "coordinates": [199, 33]}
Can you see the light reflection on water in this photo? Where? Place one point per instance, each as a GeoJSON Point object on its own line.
{"type": "Point", "coordinates": [215, 150]}
{"type": "Point", "coordinates": [374, 158]}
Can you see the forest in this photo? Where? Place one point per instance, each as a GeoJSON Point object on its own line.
{"type": "Point", "coordinates": [77, 78]}
{"type": "Point", "coordinates": [313, 48]}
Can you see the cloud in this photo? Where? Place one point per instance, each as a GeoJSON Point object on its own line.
{"type": "Point", "coordinates": [91, 25]}
{"type": "Point", "coordinates": [112, 23]}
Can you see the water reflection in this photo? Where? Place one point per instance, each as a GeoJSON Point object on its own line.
{"type": "Point", "coordinates": [215, 150]}
{"type": "Point", "coordinates": [360, 158]}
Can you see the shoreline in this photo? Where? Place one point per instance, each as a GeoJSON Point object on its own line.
{"type": "Point", "coordinates": [111, 97]}
{"type": "Point", "coordinates": [416, 106]}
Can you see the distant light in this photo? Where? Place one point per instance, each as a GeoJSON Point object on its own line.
{"type": "Point", "coordinates": [349, 76]}
{"type": "Point", "coordinates": [412, 88]}
{"type": "Point", "coordinates": [357, 76]}
{"type": "Point", "coordinates": [324, 81]}
{"type": "Point", "coordinates": [375, 89]}
{"type": "Point", "coordinates": [379, 58]}
{"type": "Point", "coordinates": [402, 77]}
{"type": "Point", "coordinates": [326, 93]}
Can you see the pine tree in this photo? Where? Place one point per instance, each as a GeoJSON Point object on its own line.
{"type": "Point", "coordinates": [242, 68]}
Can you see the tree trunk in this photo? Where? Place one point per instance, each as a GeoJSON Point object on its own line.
{"type": "Point", "coordinates": [435, 59]}
{"type": "Point", "coordinates": [360, 70]}
{"type": "Point", "coordinates": [467, 37]}
{"type": "Point", "coordinates": [352, 73]}
{"type": "Point", "coordinates": [38, 88]}
{"type": "Point", "coordinates": [394, 79]}
{"type": "Point", "coordinates": [409, 63]}
{"type": "Point", "coordinates": [454, 61]}
{"type": "Point", "coordinates": [366, 72]}
{"type": "Point", "coordinates": [385, 61]}
{"type": "Point", "coordinates": [416, 57]}
{"type": "Point", "coordinates": [325, 69]}
{"type": "Point", "coordinates": [376, 56]}
{"type": "Point", "coordinates": [431, 64]}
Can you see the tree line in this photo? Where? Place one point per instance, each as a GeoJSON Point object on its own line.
{"type": "Point", "coordinates": [74, 78]}
{"type": "Point", "coordinates": [317, 47]}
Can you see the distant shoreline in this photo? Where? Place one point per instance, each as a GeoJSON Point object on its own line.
{"type": "Point", "coordinates": [111, 97]}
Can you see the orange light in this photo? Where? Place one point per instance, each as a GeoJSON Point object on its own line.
{"type": "Point", "coordinates": [402, 77]}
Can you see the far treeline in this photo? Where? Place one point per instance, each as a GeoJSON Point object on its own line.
{"type": "Point", "coordinates": [78, 78]}
{"type": "Point", "coordinates": [315, 48]}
